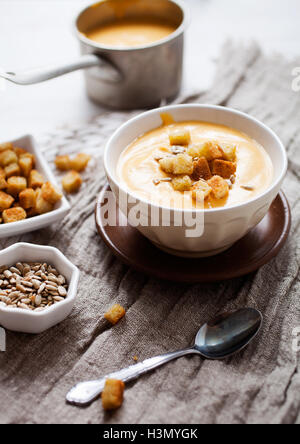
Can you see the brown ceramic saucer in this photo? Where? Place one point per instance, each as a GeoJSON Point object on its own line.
{"type": "Point", "coordinates": [257, 248]}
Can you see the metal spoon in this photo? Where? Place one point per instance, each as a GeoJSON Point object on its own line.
{"type": "Point", "coordinates": [224, 336]}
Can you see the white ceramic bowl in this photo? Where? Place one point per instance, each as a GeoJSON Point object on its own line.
{"type": "Point", "coordinates": [222, 226]}
{"type": "Point", "coordinates": [61, 208]}
{"type": "Point", "coordinates": [36, 322]}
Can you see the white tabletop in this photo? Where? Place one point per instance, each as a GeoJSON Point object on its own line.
{"type": "Point", "coordinates": [36, 33]}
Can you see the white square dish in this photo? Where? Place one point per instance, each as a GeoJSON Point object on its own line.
{"type": "Point", "coordinates": [34, 223]}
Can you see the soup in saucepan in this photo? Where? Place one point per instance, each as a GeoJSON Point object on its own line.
{"type": "Point", "coordinates": [128, 33]}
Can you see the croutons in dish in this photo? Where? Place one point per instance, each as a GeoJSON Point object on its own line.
{"type": "Point", "coordinates": [24, 192]}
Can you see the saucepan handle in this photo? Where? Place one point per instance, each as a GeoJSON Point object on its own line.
{"type": "Point", "coordinates": [110, 73]}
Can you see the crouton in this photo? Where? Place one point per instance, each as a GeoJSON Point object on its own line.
{"type": "Point", "coordinates": [35, 180]}
{"type": "Point", "coordinates": [229, 152]}
{"type": "Point", "coordinates": [3, 183]}
{"type": "Point", "coordinates": [6, 146]}
{"type": "Point", "coordinates": [31, 212]}
{"type": "Point", "coordinates": [2, 173]}
{"type": "Point", "coordinates": [204, 150]}
{"type": "Point", "coordinates": [180, 137]}
{"type": "Point", "coordinates": [26, 165]}
{"type": "Point", "coordinates": [201, 169]}
{"type": "Point", "coordinates": [16, 184]}
{"type": "Point", "coordinates": [28, 155]}
{"type": "Point", "coordinates": [72, 182]}
{"type": "Point", "coordinates": [27, 198]}
{"type": "Point", "coordinates": [112, 394]}
{"type": "Point", "coordinates": [51, 193]}
{"type": "Point", "coordinates": [167, 164]}
{"type": "Point", "coordinates": [223, 168]}
{"type": "Point", "coordinates": [193, 150]}
{"type": "Point", "coordinates": [200, 190]}
{"type": "Point", "coordinates": [115, 313]}
{"type": "Point", "coordinates": [41, 205]}
{"type": "Point", "coordinates": [19, 151]}
{"type": "Point", "coordinates": [79, 162]}
{"type": "Point", "coordinates": [63, 163]}
{"type": "Point", "coordinates": [7, 157]}
{"type": "Point", "coordinates": [182, 183]}
{"type": "Point", "coordinates": [183, 164]}
{"type": "Point", "coordinates": [215, 152]}
{"type": "Point", "coordinates": [219, 186]}
{"type": "Point", "coordinates": [12, 169]}
{"type": "Point", "coordinates": [13, 215]}
{"type": "Point", "coordinates": [6, 201]}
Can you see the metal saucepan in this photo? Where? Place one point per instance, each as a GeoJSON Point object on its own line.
{"type": "Point", "coordinates": [130, 78]}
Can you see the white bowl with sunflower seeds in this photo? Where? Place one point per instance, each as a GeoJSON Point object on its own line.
{"type": "Point", "coordinates": [36, 318]}
{"type": "Point", "coordinates": [60, 209]}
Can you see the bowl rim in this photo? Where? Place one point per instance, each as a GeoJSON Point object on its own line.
{"type": "Point", "coordinates": [15, 228]}
{"type": "Point", "coordinates": [74, 279]}
{"type": "Point", "coordinates": [170, 108]}
{"type": "Point", "coordinates": [178, 31]}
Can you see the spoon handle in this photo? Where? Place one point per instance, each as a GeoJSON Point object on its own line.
{"type": "Point", "coordinates": [85, 392]}
{"type": "Point", "coordinates": [107, 71]}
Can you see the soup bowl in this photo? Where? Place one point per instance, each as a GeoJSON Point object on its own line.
{"type": "Point", "coordinates": [216, 229]}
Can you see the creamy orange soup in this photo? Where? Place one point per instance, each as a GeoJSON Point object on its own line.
{"type": "Point", "coordinates": [126, 33]}
{"type": "Point", "coordinates": [138, 167]}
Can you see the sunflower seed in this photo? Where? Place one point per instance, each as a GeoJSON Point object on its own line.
{"type": "Point", "coordinates": [19, 266]}
{"type": "Point", "coordinates": [21, 305]}
{"type": "Point", "coordinates": [52, 278]}
{"type": "Point", "coordinates": [37, 300]}
{"type": "Point", "coordinates": [247, 187]}
{"type": "Point", "coordinates": [15, 270]}
{"type": "Point", "coordinates": [42, 288]}
{"type": "Point", "coordinates": [7, 274]}
{"type": "Point", "coordinates": [62, 291]}
{"type": "Point", "coordinates": [58, 298]}
{"type": "Point", "coordinates": [5, 299]}
{"type": "Point", "coordinates": [26, 269]}
{"type": "Point", "coordinates": [25, 301]}
{"type": "Point", "coordinates": [176, 149]}
{"type": "Point", "coordinates": [61, 279]}
{"type": "Point", "coordinates": [36, 283]}
{"type": "Point", "coordinates": [51, 287]}
{"type": "Point", "coordinates": [52, 270]}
